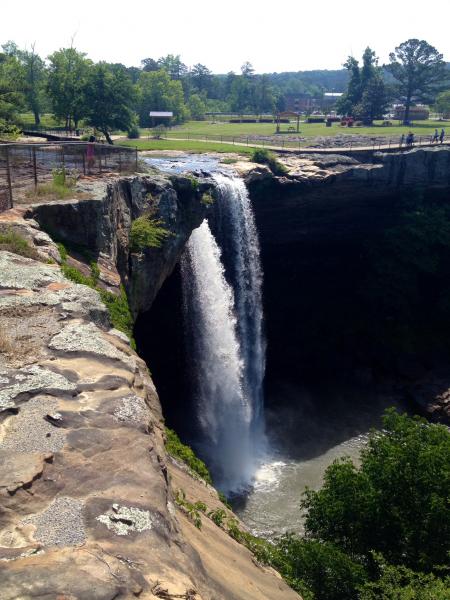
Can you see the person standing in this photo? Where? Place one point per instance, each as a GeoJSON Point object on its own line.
{"type": "Point", "coordinates": [441, 137]}
{"type": "Point", "coordinates": [435, 137]}
{"type": "Point", "coordinates": [90, 153]}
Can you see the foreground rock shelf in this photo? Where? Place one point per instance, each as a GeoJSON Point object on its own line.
{"type": "Point", "coordinates": [87, 490]}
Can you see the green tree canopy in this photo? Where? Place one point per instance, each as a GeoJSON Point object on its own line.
{"type": "Point", "coordinates": [110, 98]}
{"type": "Point", "coordinates": [68, 73]}
{"type": "Point", "coordinates": [419, 70]}
{"type": "Point", "coordinates": [12, 81]}
{"type": "Point", "coordinates": [158, 92]}
{"type": "Point", "coordinates": [396, 503]}
{"type": "Point", "coordinates": [443, 102]}
{"type": "Point", "coordinates": [366, 95]}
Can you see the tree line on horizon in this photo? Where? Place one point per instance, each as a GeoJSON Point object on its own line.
{"type": "Point", "coordinates": [111, 96]}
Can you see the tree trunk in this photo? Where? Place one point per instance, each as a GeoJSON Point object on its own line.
{"type": "Point", "coordinates": [407, 107]}
{"type": "Point", "coordinates": [37, 118]}
{"type": "Point", "coordinates": [107, 136]}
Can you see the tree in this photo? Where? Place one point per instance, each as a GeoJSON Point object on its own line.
{"type": "Point", "coordinates": [197, 106]}
{"type": "Point", "coordinates": [201, 77]}
{"type": "Point", "coordinates": [158, 92]}
{"type": "Point", "coordinates": [11, 87]}
{"type": "Point", "coordinates": [149, 64]}
{"type": "Point", "coordinates": [110, 96]}
{"type": "Point", "coordinates": [366, 95]}
{"type": "Point", "coordinates": [173, 65]}
{"type": "Point", "coordinates": [443, 103]}
{"type": "Point", "coordinates": [35, 78]}
{"type": "Point", "coordinates": [247, 70]}
{"type": "Point", "coordinates": [420, 71]}
{"type": "Point", "coordinates": [374, 101]}
{"type": "Point", "coordinates": [396, 503]}
{"type": "Point", "coordinates": [68, 73]}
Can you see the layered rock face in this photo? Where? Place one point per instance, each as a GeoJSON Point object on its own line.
{"type": "Point", "coordinates": [87, 490]}
{"type": "Point", "coordinates": [332, 231]}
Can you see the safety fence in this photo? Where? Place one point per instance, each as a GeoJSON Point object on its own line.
{"type": "Point", "coordinates": [24, 168]}
{"type": "Point", "coordinates": [297, 142]}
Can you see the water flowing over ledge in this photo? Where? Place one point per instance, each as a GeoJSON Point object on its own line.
{"type": "Point", "coordinates": [222, 287]}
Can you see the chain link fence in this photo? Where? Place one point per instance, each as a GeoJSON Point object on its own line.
{"type": "Point", "coordinates": [23, 167]}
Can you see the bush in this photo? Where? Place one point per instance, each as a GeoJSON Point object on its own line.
{"type": "Point", "coordinates": [400, 583]}
{"type": "Point", "coordinates": [177, 449]}
{"type": "Point", "coordinates": [320, 567]}
{"type": "Point", "coordinates": [396, 503]}
{"type": "Point", "coordinates": [119, 312]}
{"type": "Point", "coordinates": [8, 131]}
{"type": "Point", "coordinates": [147, 232]}
{"type": "Point", "coordinates": [13, 242]}
{"type": "Point", "coordinates": [264, 157]}
{"type": "Point", "coordinates": [134, 133]}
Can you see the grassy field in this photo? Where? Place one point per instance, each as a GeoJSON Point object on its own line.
{"type": "Point", "coordinates": [47, 120]}
{"type": "Point", "coordinates": [189, 146]}
{"type": "Point", "coordinates": [308, 130]}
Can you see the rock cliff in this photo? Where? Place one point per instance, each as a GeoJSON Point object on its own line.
{"type": "Point", "coordinates": [87, 490]}
{"type": "Point", "coordinates": [356, 261]}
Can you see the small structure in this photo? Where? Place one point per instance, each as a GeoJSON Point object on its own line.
{"type": "Point", "coordinates": [420, 112]}
{"type": "Point", "coordinates": [288, 115]}
{"type": "Point", "coordinates": [160, 114]}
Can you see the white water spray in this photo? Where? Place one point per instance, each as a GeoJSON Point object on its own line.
{"type": "Point", "coordinates": [225, 331]}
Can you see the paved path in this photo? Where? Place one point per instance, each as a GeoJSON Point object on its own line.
{"type": "Point", "coordinates": [332, 150]}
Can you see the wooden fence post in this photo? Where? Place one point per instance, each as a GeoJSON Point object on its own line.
{"type": "Point", "coordinates": [8, 176]}
{"type": "Point", "coordinates": [35, 169]}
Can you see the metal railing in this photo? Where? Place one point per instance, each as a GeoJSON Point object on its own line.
{"type": "Point", "coordinates": [24, 167]}
{"type": "Point", "coordinates": [297, 142]}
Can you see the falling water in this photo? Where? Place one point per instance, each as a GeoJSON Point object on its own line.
{"type": "Point", "coordinates": [223, 311]}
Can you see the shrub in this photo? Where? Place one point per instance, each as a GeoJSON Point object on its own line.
{"type": "Point", "coordinates": [217, 516]}
{"type": "Point", "coordinates": [400, 583]}
{"type": "Point", "coordinates": [395, 503]}
{"type": "Point", "coordinates": [320, 567]}
{"type": "Point", "coordinates": [207, 199]}
{"type": "Point", "coordinates": [147, 232]}
{"type": "Point", "coordinates": [62, 251]}
{"type": "Point", "coordinates": [76, 276]}
{"type": "Point", "coordinates": [8, 131]}
{"type": "Point", "coordinates": [264, 157]}
{"type": "Point", "coordinates": [133, 133]}
{"type": "Point", "coordinates": [95, 272]}
{"type": "Point", "coordinates": [177, 449]}
{"type": "Point", "coordinates": [119, 311]}
{"type": "Point", "coordinates": [13, 242]}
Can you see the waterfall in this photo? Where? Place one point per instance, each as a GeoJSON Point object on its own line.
{"type": "Point", "coordinates": [222, 282]}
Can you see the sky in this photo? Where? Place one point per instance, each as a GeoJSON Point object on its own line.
{"type": "Point", "coordinates": [292, 35]}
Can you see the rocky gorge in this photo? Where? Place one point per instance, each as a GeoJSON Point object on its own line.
{"type": "Point", "coordinates": [88, 491]}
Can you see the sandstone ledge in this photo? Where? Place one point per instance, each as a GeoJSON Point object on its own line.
{"type": "Point", "coordinates": [87, 506]}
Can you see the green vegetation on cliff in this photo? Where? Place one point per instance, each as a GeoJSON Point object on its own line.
{"type": "Point", "coordinates": [147, 232]}
{"type": "Point", "coordinates": [177, 449]}
{"type": "Point", "coordinates": [117, 304]}
{"type": "Point", "coordinates": [15, 243]}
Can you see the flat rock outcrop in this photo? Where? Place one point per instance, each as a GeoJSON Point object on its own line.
{"type": "Point", "coordinates": [87, 508]}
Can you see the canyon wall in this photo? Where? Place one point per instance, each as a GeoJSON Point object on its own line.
{"type": "Point", "coordinates": [88, 493]}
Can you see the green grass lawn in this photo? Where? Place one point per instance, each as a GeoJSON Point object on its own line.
{"type": "Point", "coordinates": [189, 146]}
{"type": "Point", "coordinates": [47, 120]}
{"type": "Point", "coordinates": [309, 130]}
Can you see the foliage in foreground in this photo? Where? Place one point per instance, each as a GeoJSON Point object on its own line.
{"type": "Point", "coordinates": [264, 157]}
{"type": "Point", "coordinates": [177, 449]}
{"type": "Point", "coordinates": [396, 503]}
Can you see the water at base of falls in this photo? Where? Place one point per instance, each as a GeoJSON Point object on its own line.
{"type": "Point", "coordinates": [224, 321]}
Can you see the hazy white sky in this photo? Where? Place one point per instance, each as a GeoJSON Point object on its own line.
{"type": "Point", "coordinates": [291, 35]}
